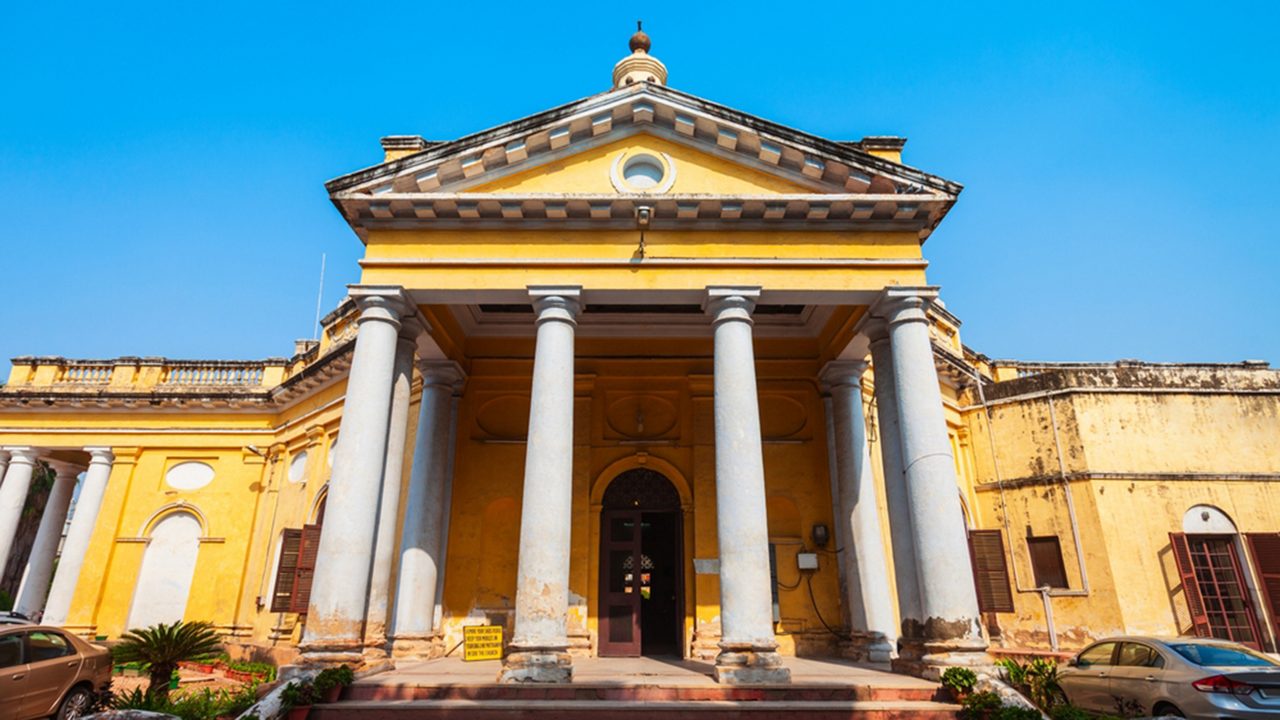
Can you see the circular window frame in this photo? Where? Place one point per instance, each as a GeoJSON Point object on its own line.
{"type": "Point", "coordinates": [662, 160]}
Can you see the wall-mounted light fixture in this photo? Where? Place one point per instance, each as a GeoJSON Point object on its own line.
{"type": "Point", "coordinates": [821, 535]}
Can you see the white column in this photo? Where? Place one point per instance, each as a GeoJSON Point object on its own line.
{"type": "Point", "coordinates": [748, 650]}
{"type": "Point", "coordinates": [378, 612]}
{"type": "Point", "coordinates": [35, 581]}
{"type": "Point", "coordinates": [540, 642]}
{"type": "Point", "coordinates": [906, 578]}
{"type": "Point", "coordinates": [863, 559]}
{"type": "Point", "coordinates": [424, 520]}
{"type": "Point", "coordinates": [58, 606]}
{"type": "Point", "coordinates": [13, 496]}
{"type": "Point", "coordinates": [339, 590]}
{"type": "Point", "coordinates": [948, 601]}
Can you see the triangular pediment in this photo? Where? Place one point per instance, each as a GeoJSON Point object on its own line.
{"type": "Point", "coordinates": [565, 161]}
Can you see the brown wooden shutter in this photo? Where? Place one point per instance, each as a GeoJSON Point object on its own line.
{"type": "Point", "coordinates": [1265, 549]}
{"type": "Point", "coordinates": [990, 571]}
{"type": "Point", "coordinates": [286, 571]}
{"type": "Point", "coordinates": [1190, 586]}
{"type": "Point", "coordinates": [309, 548]}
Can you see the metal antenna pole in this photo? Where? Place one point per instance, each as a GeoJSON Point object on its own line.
{"type": "Point", "coordinates": [315, 333]}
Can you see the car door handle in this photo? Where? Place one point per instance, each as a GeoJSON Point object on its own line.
{"type": "Point", "coordinates": [19, 677]}
{"type": "Point", "coordinates": [1102, 674]}
{"type": "Point", "coordinates": [1151, 678]}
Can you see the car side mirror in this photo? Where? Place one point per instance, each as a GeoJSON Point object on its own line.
{"type": "Point", "coordinates": [1072, 663]}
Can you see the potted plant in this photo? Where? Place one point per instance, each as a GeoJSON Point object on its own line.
{"type": "Point", "coordinates": [330, 681]}
{"type": "Point", "coordinates": [959, 681]}
{"type": "Point", "coordinates": [298, 697]}
{"type": "Point", "coordinates": [161, 647]}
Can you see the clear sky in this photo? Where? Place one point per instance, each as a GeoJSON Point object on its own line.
{"type": "Point", "coordinates": [162, 164]}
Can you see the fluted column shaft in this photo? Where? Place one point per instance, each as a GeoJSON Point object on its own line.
{"type": "Point", "coordinates": [378, 613]}
{"type": "Point", "coordinates": [424, 521]}
{"type": "Point", "coordinates": [948, 619]}
{"type": "Point", "coordinates": [340, 586]}
{"type": "Point", "coordinates": [13, 496]}
{"type": "Point", "coordinates": [57, 607]}
{"type": "Point", "coordinates": [35, 582]}
{"type": "Point", "coordinates": [540, 642]}
{"type": "Point", "coordinates": [748, 650]}
{"type": "Point", "coordinates": [863, 560]}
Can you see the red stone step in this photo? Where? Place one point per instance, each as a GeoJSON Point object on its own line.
{"type": "Point", "coordinates": [646, 693]}
{"type": "Point", "coordinates": [634, 708]}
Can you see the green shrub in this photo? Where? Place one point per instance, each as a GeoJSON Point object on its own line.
{"type": "Point", "coordinates": [1068, 712]}
{"type": "Point", "coordinates": [958, 680]}
{"type": "Point", "coordinates": [1015, 672]}
{"type": "Point", "coordinates": [1016, 712]}
{"type": "Point", "coordinates": [298, 694]}
{"type": "Point", "coordinates": [203, 704]}
{"type": "Point", "coordinates": [980, 705]}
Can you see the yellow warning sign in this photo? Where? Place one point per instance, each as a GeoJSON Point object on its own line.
{"type": "Point", "coordinates": [482, 642]}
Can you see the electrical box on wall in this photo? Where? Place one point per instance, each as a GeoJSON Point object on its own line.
{"type": "Point", "coordinates": [807, 561]}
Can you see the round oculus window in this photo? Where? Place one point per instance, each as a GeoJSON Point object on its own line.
{"type": "Point", "coordinates": [643, 172]}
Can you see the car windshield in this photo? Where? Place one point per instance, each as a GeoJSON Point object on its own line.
{"type": "Point", "coordinates": [1213, 655]}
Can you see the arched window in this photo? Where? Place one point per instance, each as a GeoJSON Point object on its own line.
{"type": "Point", "coordinates": [168, 567]}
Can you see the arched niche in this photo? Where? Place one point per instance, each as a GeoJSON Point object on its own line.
{"type": "Point", "coordinates": [168, 567]}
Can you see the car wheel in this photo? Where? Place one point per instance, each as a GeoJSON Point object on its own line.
{"type": "Point", "coordinates": [1166, 709]}
{"type": "Point", "coordinates": [78, 702]}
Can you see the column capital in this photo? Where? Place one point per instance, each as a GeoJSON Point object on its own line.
{"type": "Point", "coordinates": [727, 302]}
{"type": "Point", "coordinates": [839, 373]}
{"type": "Point", "coordinates": [100, 455]}
{"type": "Point", "coordinates": [23, 454]}
{"type": "Point", "coordinates": [556, 302]}
{"type": "Point", "coordinates": [64, 470]}
{"type": "Point", "coordinates": [903, 304]}
{"type": "Point", "coordinates": [386, 303]}
{"type": "Point", "coordinates": [441, 372]}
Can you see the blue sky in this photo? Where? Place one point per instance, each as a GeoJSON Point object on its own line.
{"type": "Point", "coordinates": [162, 165]}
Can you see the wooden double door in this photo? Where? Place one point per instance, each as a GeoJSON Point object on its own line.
{"type": "Point", "coordinates": [641, 573]}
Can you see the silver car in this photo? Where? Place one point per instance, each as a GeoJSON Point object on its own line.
{"type": "Point", "coordinates": [1188, 677]}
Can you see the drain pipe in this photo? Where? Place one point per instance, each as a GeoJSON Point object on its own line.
{"type": "Point", "coordinates": [1071, 509]}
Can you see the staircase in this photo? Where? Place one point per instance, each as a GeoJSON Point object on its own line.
{"type": "Point", "coordinates": [654, 702]}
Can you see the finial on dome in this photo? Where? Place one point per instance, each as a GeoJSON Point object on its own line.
{"type": "Point", "coordinates": [640, 41]}
{"type": "Point", "coordinates": [639, 66]}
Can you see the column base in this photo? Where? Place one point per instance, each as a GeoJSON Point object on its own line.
{"type": "Point", "coordinates": [928, 658]}
{"type": "Point", "coordinates": [537, 665]}
{"type": "Point", "coordinates": [747, 664]}
{"type": "Point", "coordinates": [417, 647]}
{"type": "Point", "coordinates": [332, 653]}
{"type": "Point", "coordinates": [868, 647]}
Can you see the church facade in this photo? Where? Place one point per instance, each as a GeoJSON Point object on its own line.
{"type": "Point", "coordinates": [644, 374]}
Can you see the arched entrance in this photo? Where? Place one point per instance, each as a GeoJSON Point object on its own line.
{"type": "Point", "coordinates": [641, 562]}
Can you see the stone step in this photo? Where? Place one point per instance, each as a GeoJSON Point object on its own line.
{"type": "Point", "coordinates": [648, 693]}
{"type": "Point", "coordinates": [634, 708]}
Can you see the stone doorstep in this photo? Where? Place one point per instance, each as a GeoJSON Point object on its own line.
{"type": "Point", "coordinates": [586, 692]}
{"type": "Point", "coordinates": [605, 709]}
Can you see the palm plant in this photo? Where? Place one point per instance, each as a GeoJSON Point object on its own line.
{"type": "Point", "coordinates": [163, 646]}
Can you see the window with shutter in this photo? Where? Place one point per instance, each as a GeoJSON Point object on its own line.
{"type": "Point", "coordinates": [990, 571]}
{"type": "Point", "coordinates": [309, 547]}
{"type": "Point", "coordinates": [1265, 548]}
{"type": "Point", "coordinates": [1046, 562]}
{"type": "Point", "coordinates": [286, 571]}
{"type": "Point", "coordinates": [1213, 583]}
{"type": "Point", "coordinates": [1190, 588]}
